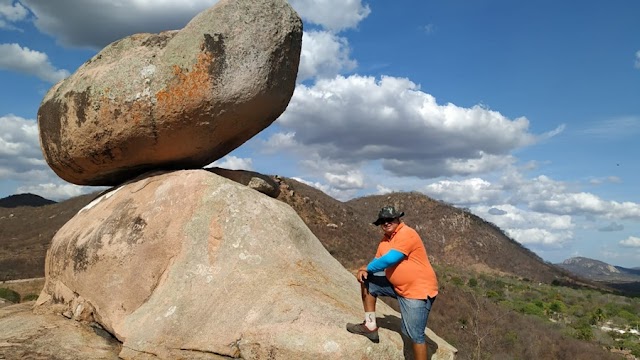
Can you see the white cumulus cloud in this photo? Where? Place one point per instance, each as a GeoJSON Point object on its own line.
{"type": "Point", "coordinates": [588, 204]}
{"type": "Point", "coordinates": [540, 237]}
{"type": "Point", "coordinates": [544, 194]}
{"type": "Point", "coordinates": [631, 241]}
{"type": "Point", "coordinates": [333, 15]}
{"type": "Point", "coordinates": [358, 118]}
{"type": "Point", "coordinates": [21, 161]}
{"type": "Point", "coordinates": [95, 24]}
{"type": "Point", "coordinates": [323, 54]}
{"type": "Point", "coordinates": [351, 180]}
{"type": "Point", "coordinates": [637, 63]}
{"type": "Point", "coordinates": [13, 57]}
{"type": "Point", "coordinates": [529, 227]}
{"type": "Point", "coordinates": [233, 163]}
{"type": "Point", "coordinates": [464, 192]}
{"type": "Point", "coordinates": [11, 12]}
{"type": "Point", "coordinates": [339, 194]}
{"type": "Point", "coordinates": [19, 147]}
{"type": "Point", "coordinates": [56, 191]}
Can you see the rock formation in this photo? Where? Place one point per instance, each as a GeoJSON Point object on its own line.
{"type": "Point", "coordinates": [187, 263]}
{"type": "Point", "coordinates": [190, 264]}
{"type": "Point", "coordinates": [174, 100]}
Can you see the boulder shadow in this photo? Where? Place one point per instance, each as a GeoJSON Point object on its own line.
{"type": "Point", "coordinates": [394, 323]}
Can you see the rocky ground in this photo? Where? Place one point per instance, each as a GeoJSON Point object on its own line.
{"type": "Point", "coordinates": [47, 336]}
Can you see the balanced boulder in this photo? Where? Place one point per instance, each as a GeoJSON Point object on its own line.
{"type": "Point", "coordinates": [174, 100]}
{"type": "Point", "coordinates": [189, 264]}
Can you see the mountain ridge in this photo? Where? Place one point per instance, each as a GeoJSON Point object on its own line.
{"type": "Point", "coordinates": [24, 199]}
{"type": "Point", "coordinates": [623, 280]}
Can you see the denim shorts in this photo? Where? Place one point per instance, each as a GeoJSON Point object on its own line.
{"type": "Point", "coordinates": [415, 312]}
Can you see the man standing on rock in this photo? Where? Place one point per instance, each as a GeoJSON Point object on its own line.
{"type": "Point", "coordinates": [408, 277]}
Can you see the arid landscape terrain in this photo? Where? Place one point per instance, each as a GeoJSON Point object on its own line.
{"type": "Point", "coordinates": [496, 297]}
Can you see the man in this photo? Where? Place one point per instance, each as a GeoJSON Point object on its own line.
{"type": "Point", "coordinates": [408, 277]}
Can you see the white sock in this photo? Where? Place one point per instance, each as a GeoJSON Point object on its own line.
{"type": "Point", "coordinates": [370, 320]}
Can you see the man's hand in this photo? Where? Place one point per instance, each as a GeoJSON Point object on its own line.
{"type": "Point", "coordinates": [362, 274]}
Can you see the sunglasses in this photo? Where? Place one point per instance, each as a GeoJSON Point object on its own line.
{"type": "Point", "coordinates": [386, 221]}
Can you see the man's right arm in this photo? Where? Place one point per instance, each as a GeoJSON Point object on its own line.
{"type": "Point", "coordinates": [392, 257]}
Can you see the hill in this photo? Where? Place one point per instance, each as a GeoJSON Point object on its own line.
{"type": "Point", "coordinates": [453, 237]}
{"type": "Point", "coordinates": [18, 200]}
{"type": "Point", "coordinates": [625, 280]}
{"type": "Point", "coordinates": [26, 232]}
{"type": "Point", "coordinates": [599, 270]}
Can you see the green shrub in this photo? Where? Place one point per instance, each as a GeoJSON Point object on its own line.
{"type": "Point", "coordinates": [492, 294]}
{"type": "Point", "coordinates": [633, 345]}
{"type": "Point", "coordinates": [473, 282]}
{"type": "Point", "coordinates": [557, 306]}
{"type": "Point", "coordinates": [532, 309]}
{"type": "Point", "coordinates": [596, 316]}
{"type": "Point", "coordinates": [629, 317]}
{"type": "Point", "coordinates": [583, 332]}
{"type": "Point", "coordinates": [511, 337]}
{"type": "Point", "coordinates": [30, 297]}
{"type": "Point", "coordinates": [457, 281]}
{"type": "Point", "coordinates": [10, 295]}
{"type": "Point", "coordinates": [612, 309]}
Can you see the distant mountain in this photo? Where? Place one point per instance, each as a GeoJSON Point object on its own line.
{"type": "Point", "coordinates": [18, 200]}
{"type": "Point", "coordinates": [600, 271]}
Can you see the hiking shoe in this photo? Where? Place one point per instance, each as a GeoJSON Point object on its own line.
{"type": "Point", "coordinates": [361, 329]}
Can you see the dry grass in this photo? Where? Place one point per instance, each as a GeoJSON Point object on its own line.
{"type": "Point", "coordinates": [26, 232]}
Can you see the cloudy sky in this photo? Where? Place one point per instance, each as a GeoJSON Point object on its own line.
{"type": "Point", "coordinates": [526, 113]}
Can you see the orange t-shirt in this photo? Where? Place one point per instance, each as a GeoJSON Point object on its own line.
{"type": "Point", "coordinates": [413, 277]}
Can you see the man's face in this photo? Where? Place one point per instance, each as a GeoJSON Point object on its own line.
{"type": "Point", "coordinates": [389, 225]}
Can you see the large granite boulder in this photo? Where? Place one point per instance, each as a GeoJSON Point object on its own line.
{"type": "Point", "coordinates": [189, 264]}
{"type": "Point", "coordinates": [174, 100]}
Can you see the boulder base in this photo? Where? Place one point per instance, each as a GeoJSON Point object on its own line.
{"type": "Point", "coordinates": [189, 264]}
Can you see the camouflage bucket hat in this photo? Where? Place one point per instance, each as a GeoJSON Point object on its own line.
{"type": "Point", "coordinates": [387, 213]}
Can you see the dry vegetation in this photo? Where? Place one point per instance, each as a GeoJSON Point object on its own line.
{"type": "Point", "coordinates": [26, 232]}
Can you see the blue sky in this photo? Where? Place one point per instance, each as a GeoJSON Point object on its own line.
{"type": "Point", "coordinates": [525, 113]}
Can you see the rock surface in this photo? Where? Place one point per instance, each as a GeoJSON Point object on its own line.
{"type": "Point", "coordinates": [259, 182]}
{"type": "Point", "coordinates": [174, 100]}
{"type": "Point", "coordinates": [190, 264]}
{"type": "Point", "coordinates": [45, 336]}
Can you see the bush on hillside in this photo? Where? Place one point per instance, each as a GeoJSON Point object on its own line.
{"type": "Point", "coordinates": [10, 295]}
{"type": "Point", "coordinates": [30, 297]}
{"type": "Point", "coordinates": [633, 345]}
{"type": "Point", "coordinates": [557, 306]}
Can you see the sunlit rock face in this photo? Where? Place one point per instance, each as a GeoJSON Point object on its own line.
{"type": "Point", "coordinates": [189, 264]}
{"type": "Point", "coordinates": [173, 100]}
